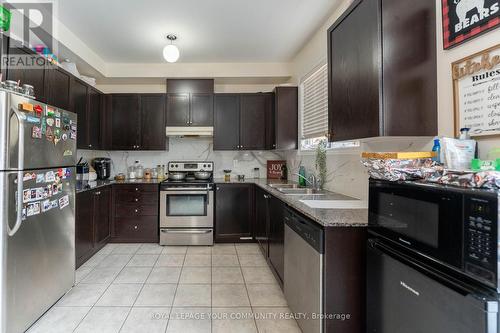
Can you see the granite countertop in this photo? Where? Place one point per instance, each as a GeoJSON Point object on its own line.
{"type": "Point", "coordinates": [336, 217]}
{"type": "Point", "coordinates": [82, 186]}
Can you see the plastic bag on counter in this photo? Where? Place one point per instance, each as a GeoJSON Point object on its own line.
{"type": "Point", "coordinates": [458, 154]}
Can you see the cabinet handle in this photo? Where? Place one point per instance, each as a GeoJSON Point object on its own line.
{"type": "Point", "coordinates": [135, 227]}
{"type": "Point", "coordinates": [136, 210]}
{"type": "Point", "coordinates": [218, 188]}
{"type": "Point", "coordinates": [98, 193]}
{"type": "Point", "coordinates": [137, 189]}
{"type": "Point", "coordinates": [266, 196]}
{"type": "Point", "coordinates": [90, 146]}
{"type": "Point", "coordinates": [136, 199]}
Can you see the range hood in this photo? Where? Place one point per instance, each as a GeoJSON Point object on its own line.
{"type": "Point", "coordinates": [190, 131]}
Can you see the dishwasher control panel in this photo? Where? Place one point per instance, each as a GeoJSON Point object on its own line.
{"type": "Point", "coordinates": [309, 230]}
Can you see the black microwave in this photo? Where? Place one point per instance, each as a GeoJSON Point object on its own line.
{"type": "Point", "coordinates": [451, 226]}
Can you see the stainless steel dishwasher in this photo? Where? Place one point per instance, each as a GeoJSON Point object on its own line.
{"type": "Point", "coordinates": [303, 285]}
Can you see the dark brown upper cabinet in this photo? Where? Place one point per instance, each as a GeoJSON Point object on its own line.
{"type": "Point", "coordinates": [190, 109]}
{"type": "Point", "coordinates": [283, 130]}
{"type": "Point", "coordinates": [242, 121]}
{"type": "Point", "coordinates": [33, 75]}
{"type": "Point", "coordinates": [137, 121]}
{"type": "Point", "coordinates": [79, 105]}
{"type": "Point", "coordinates": [57, 85]}
{"type": "Point", "coordinates": [153, 122]}
{"type": "Point", "coordinates": [95, 114]}
{"type": "Point", "coordinates": [382, 77]}
{"type": "Point", "coordinates": [226, 121]}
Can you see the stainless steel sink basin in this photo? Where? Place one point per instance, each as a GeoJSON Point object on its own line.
{"type": "Point", "coordinates": [300, 191]}
{"type": "Point", "coordinates": [283, 186]}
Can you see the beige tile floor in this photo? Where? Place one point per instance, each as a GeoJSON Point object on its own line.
{"type": "Point", "coordinates": [148, 288]}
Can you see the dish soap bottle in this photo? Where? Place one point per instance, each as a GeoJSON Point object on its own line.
{"type": "Point", "coordinates": [437, 150]}
{"type": "Point", "coordinates": [302, 176]}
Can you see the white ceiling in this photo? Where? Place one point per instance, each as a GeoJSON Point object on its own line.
{"type": "Point", "coordinates": [125, 31]}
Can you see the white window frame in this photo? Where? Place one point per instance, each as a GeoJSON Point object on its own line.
{"type": "Point", "coordinates": [331, 146]}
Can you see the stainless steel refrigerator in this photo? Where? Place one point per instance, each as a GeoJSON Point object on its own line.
{"type": "Point", "coordinates": [37, 203]}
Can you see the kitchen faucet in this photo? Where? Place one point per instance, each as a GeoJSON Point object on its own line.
{"type": "Point", "coordinates": [311, 180]}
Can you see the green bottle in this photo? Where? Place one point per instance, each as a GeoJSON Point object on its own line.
{"type": "Point", "coordinates": [302, 177]}
{"type": "Point", "coordinates": [5, 16]}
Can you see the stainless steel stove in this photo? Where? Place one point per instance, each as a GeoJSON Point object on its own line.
{"type": "Point", "coordinates": [187, 204]}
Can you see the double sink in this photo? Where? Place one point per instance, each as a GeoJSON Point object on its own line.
{"type": "Point", "coordinates": [314, 201]}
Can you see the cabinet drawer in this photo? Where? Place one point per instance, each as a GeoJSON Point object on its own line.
{"type": "Point", "coordinates": [143, 198]}
{"type": "Point", "coordinates": [122, 210]}
{"type": "Point", "coordinates": [143, 228]}
{"type": "Point", "coordinates": [137, 187]}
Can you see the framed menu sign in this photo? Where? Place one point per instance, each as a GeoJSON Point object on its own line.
{"type": "Point", "coordinates": [476, 89]}
{"type": "Point", "coordinates": [464, 19]}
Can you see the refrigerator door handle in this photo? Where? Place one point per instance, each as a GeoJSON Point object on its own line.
{"type": "Point", "coordinates": [20, 180]}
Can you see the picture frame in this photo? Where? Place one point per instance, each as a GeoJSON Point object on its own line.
{"type": "Point", "coordinates": [465, 19]}
{"type": "Point", "coordinates": [476, 92]}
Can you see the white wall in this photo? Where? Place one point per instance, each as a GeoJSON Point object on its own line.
{"type": "Point", "coordinates": [347, 175]}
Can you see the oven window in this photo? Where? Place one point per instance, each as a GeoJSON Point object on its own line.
{"type": "Point", "coordinates": [416, 219]}
{"type": "Point", "coordinates": [186, 205]}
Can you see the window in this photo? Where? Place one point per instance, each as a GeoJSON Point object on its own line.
{"type": "Point", "coordinates": [314, 111]}
{"type": "Point", "coordinates": [314, 91]}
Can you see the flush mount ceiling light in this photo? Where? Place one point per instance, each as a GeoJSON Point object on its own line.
{"type": "Point", "coordinates": [171, 52]}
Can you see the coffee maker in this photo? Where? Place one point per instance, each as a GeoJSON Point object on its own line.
{"type": "Point", "coordinates": [102, 166]}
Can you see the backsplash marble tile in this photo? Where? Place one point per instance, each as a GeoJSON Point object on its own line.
{"type": "Point", "coordinates": [186, 149]}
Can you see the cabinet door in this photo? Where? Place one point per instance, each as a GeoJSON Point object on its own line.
{"type": "Point", "coordinates": [153, 122]}
{"type": "Point", "coordinates": [58, 87]}
{"type": "Point", "coordinates": [32, 74]}
{"type": "Point", "coordinates": [277, 235]}
{"type": "Point", "coordinates": [94, 118]}
{"type": "Point", "coordinates": [227, 122]}
{"type": "Point", "coordinates": [354, 73]}
{"type": "Point", "coordinates": [178, 110]}
{"type": "Point", "coordinates": [102, 209]}
{"type": "Point", "coordinates": [202, 110]}
{"type": "Point", "coordinates": [79, 101]}
{"type": "Point", "coordinates": [286, 118]}
{"type": "Point", "coordinates": [409, 67]}
{"type": "Point", "coordinates": [261, 226]}
{"type": "Point", "coordinates": [84, 228]}
{"type": "Point", "coordinates": [233, 212]}
{"type": "Point", "coordinates": [125, 121]}
{"type": "Point", "coordinates": [254, 110]}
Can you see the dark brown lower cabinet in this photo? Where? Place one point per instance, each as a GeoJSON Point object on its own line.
{"type": "Point", "coordinates": [276, 211]}
{"type": "Point", "coordinates": [234, 212]}
{"type": "Point", "coordinates": [92, 224]}
{"type": "Point", "coordinates": [135, 213]}
{"type": "Point", "coordinates": [261, 225]}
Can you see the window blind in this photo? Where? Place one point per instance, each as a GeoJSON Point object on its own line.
{"type": "Point", "coordinates": [315, 104]}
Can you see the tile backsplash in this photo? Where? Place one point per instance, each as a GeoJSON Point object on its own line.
{"type": "Point", "coordinates": [189, 149]}
{"type": "Point", "coordinates": [346, 174]}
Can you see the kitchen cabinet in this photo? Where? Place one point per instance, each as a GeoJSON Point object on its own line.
{"type": "Point", "coordinates": [226, 121]}
{"type": "Point", "coordinates": [94, 118]}
{"type": "Point", "coordinates": [34, 74]}
{"type": "Point", "coordinates": [153, 122]}
{"type": "Point", "coordinates": [137, 122]}
{"type": "Point", "coordinates": [57, 85]}
{"type": "Point", "coordinates": [276, 211]}
{"type": "Point", "coordinates": [382, 77]}
{"type": "Point", "coordinates": [241, 121]}
{"type": "Point", "coordinates": [234, 212]}
{"type": "Point", "coordinates": [135, 213]}
{"type": "Point", "coordinates": [261, 225]}
{"type": "Point", "coordinates": [283, 128]}
{"type": "Point", "coordinates": [125, 121]}
{"type": "Point", "coordinates": [79, 103]}
{"type": "Point", "coordinates": [92, 222]}
{"type": "Point", "coordinates": [189, 109]}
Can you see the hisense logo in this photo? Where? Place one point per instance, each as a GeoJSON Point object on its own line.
{"type": "Point", "coordinates": [407, 287]}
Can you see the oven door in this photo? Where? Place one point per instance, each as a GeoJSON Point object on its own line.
{"type": "Point", "coordinates": [186, 209]}
{"type": "Point", "coordinates": [424, 219]}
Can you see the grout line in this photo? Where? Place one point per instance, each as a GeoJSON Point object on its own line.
{"type": "Point", "coordinates": [175, 292]}
{"type": "Point", "coordinates": [248, 294]}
